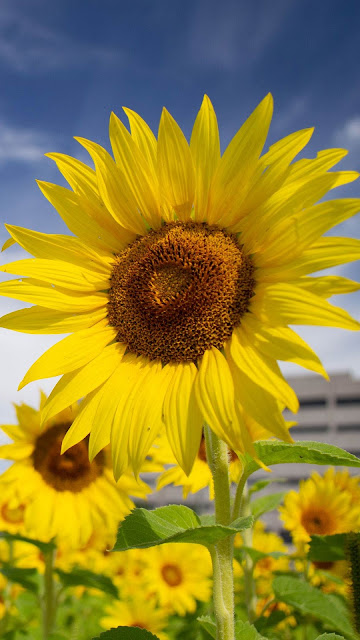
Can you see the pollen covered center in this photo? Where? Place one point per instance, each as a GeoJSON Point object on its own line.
{"type": "Point", "coordinates": [172, 575]}
{"type": "Point", "coordinates": [179, 291]}
{"type": "Point", "coordinates": [71, 471]}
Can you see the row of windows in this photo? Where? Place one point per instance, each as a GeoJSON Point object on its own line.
{"type": "Point", "coordinates": [322, 402]}
{"type": "Point", "coordinates": [322, 428]}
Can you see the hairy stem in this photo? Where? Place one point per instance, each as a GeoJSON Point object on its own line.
{"type": "Point", "coordinates": [49, 596]}
{"type": "Point", "coordinates": [247, 535]}
{"type": "Point", "coordinates": [222, 552]}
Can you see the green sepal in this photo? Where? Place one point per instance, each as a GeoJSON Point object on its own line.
{"type": "Point", "coordinates": [175, 523]}
{"type": "Point", "coordinates": [82, 577]}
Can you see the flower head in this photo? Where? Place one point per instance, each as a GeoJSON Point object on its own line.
{"type": "Point", "coordinates": [185, 270]}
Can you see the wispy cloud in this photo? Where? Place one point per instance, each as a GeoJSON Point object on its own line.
{"type": "Point", "coordinates": [348, 135]}
{"type": "Point", "coordinates": [28, 46]}
{"type": "Point", "coordinates": [21, 144]}
{"type": "Point", "coordinates": [234, 34]}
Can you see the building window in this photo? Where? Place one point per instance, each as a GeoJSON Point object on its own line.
{"type": "Point", "coordinates": [312, 402]}
{"type": "Point", "coordinates": [348, 427]}
{"type": "Point", "coordinates": [348, 400]}
{"type": "Point", "coordinates": [320, 428]}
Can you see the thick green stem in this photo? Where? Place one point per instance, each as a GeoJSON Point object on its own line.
{"type": "Point", "coordinates": [248, 567]}
{"type": "Point", "coordinates": [49, 596]}
{"type": "Point", "coordinates": [222, 552]}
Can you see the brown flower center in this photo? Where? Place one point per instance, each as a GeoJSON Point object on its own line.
{"type": "Point", "coordinates": [13, 516]}
{"type": "Point", "coordinates": [71, 471]}
{"type": "Point", "coordinates": [179, 291]}
{"type": "Point", "coordinates": [317, 521]}
{"type": "Point", "coordinates": [172, 575]}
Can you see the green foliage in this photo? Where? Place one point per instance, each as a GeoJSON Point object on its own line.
{"type": "Point", "coordinates": [330, 636]}
{"type": "Point", "coordinates": [255, 555]}
{"type": "Point", "coordinates": [45, 547]}
{"type": "Point", "coordinates": [208, 624]}
{"type": "Point", "coordinates": [27, 578]}
{"type": "Point", "coordinates": [246, 631]}
{"type": "Point", "coordinates": [276, 452]}
{"type": "Point", "coordinates": [142, 529]}
{"type": "Point", "coordinates": [327, 548]}
{"type": "Point", "coordinates": [266, 503]}
{"type": "Point", "coordinates": [311, 602]}
{"type": "Point", "coordinates": [126, 633]}
{"type": "Point", "coordinates": [262, 484]}
{"type": "Point", "coordinates": [352, 550]}
{"type": "Point", "coordinates": [83, 577]}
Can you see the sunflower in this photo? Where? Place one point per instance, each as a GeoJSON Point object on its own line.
{"type": "Point", "coordinates": [67, 497]}
{"type": "Point", "coordinates": [177, 575]}
{"type": "Point", "coordinates": [136, 613]}
{"type": "Point", "coordinates": [185, 269]}
{"type": "Point", "coordinates": [320, 507]}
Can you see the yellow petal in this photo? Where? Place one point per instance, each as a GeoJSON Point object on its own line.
{"type": "Point", "coordinates": [45, 295]}
{"type": "Point", "coordinates": [175, 167]}
{"type": "Point", "coordinates": [182, 417]}
{"type": "Point", "coordinates": [80, 427]}
{"type": "Point", "coordinates": [135, 171]}
{"type": "Point", "coordinates": [205, 151]}
{"type": "Point", "coordinates": [261, 369]}
{"type": "Point", "coordinates": [238, 164]}
{"type": "Point", "coordinates": [71, 353]}
{"type": "Point", "coordinates": [285, 304]}
{"type": "Point", "coordinates": [327, 286]}
{"type": "Point", "coordinates": [113, 189]}
{"type": "Point", "coordinates": [9, 243]}
{"type": "Point", "coordinates": [42, 320]}
{"type": "Point", "coordinates": [324, 160]}
{"type": "Point", "coordinates": [61, 274]}
{"type": "Point", "coordinates": [78, 384]}
{"type": "Point", "coordinates": [144, 139]}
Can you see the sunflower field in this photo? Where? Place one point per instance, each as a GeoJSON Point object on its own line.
{"type": "Point", "coordinates": [178, 286]}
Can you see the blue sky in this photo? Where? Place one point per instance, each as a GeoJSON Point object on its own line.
{"type": "Point", "coordinates": [65, 65]}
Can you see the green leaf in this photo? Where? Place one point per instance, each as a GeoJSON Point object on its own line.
{"type": "Point", "coordinates": [82, 577]}
{"type": "Point", "coordinates": [262, 484]}
{"type": "Point", "coordinates": [126, 633]}
{"type": "Point", "coordinates": [246, 631]}
{"type": "Point", "coordinates": [330, 636]}
{"type": "Point", "coordinates": [208, 624]}
{"type": "Point", "coordinates": [309, 601]}
{"type": "Point", "coordinates": [45, 547]}
{"type": "Point", "coordinates": [256, 555]}
{"type": "Point", "coordinates": [266, 503]}
{"type": "Point", "coordinates": [327, 548]}
{"type": "Point", "coordinates": [176, 523]}
{"type": "Point", "coordinates": [27, 578]}
{"type": "Point", "coordinates": [275, 452]}
{"type": "Point", "coordinates": [267, 622]}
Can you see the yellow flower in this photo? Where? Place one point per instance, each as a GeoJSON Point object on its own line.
{"type": "Point", "coordinates": [320, 506]}
{"type": "Point", "coordinates": [64, 496]}
{"type": "Point", "coordinates": [136, 613]}
{"type": "Point", "coordinates": [177, 576]}
{"type": "Point", "coordinates": [185, 270]}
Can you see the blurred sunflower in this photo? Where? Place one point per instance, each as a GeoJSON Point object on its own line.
{"type": "Point", "coordinates": [178, 288]}
{"type": "Point", "coordinates": [136, 613]}
{"type": "Point", "coordinates": [65, 496]}
{"type": "Point", "coordinates": [321, 506]}
{"type": "Point", "coordinates": [177, 576]}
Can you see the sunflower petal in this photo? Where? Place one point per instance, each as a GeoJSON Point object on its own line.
{"type": "Point", "coordinates": [45, 295]}
{"type": "Point", "coordinates": [327, 286]}
{"type": "Point", "coordinates": [41, 320]}
{"type": "Point", "coordinates": [144, 139]}
{"type": "Point", "coordinates": [61, 274]}
{"type": "Point", "coordinates": [182, 417]}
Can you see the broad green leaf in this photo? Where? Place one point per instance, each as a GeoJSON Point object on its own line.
{"type": "Point", "coordinates": [330, 636]}
{"type": "Point", "coordinates": [176, 523]}
{"type": "Point", "coordinates": [309, 601]}
{"type": "Point", "coordinates": [262, 484]}
{"type": "Point", "coordinates": [267, 622]}
{"type": "Point", "coordinates": [45, 547]}
{"type": "Point", "coordinates": [275, 452]}
{"type": "Point", "coordinates": [266, 503]}
{"type": "Point", "coordinates": [327, 548]}
{"type": "Point", "coordinates": [246, 631]}
{"type": "Point", "coordinates": [27, 578]}
{"type": "Point", "coordinates": [82, 577]}
{"type": "Point", "coordinates": [126, 633]}
{"type": "Point", "coordinates": [208, 624]}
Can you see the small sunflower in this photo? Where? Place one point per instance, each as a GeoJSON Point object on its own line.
{"type": "Point", "coordinates": [62, 496]}
{"type": "Point", "coordinates": [177, 576]}
{"type": "Point", "coordinates": [136, 613]}
{"type": "Point", "coordinates": [321, 507]}
{"type": "Point", "coordinates": [178, 287]}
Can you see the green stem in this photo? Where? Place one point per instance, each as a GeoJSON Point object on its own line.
{"type": "Point", "coordinates": [49, 596]}
{"type": "Point", "coordinates": [248, 566]}
{"type": "Point", "coordinates": [222, 552]}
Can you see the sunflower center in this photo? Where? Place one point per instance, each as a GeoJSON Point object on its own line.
{"type": "Point", "coordinates": [172, 575]}
{"type": "Point", "coordinates": [179, 291]}
{"type": "Point", "coordinates": [13, 516]}
{"type": "Point", "coordinates": [71, 471]}
{"type": "Point", "coordinates": [317, 521]}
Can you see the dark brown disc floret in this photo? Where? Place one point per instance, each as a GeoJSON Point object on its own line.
{"type": "Point", "coordinates": [179, 291]}
{"type": "Point", "coordinates": [70, 471]}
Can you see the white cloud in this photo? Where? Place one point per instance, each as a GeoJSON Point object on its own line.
{"type": "Point", "coordinates": [21, 145]}
{"type": "Point", "coordinates": [348, 136]}
{"type": "Point", "coordinates": [26, 45]}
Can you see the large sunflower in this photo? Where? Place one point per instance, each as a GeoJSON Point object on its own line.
{"type": "Point", "coordinates": [186, 268]}
{"type": "Point", "coordinates": [67, 497]}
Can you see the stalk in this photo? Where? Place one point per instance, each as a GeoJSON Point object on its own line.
{"type": "Point", "coordinates": [248, 567]}
{"type": "Point", "coordinates": [222, 552]}
{"type": "Point", "coordinates": [49, 595]}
